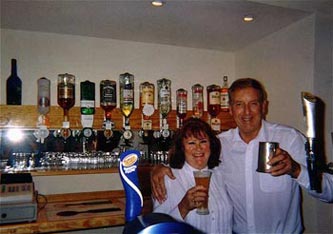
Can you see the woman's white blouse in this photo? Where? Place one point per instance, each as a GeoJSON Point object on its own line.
{"type": "Point", "coordinates": [219, 220]}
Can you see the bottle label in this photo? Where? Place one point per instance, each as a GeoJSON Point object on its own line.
{"type": "Point", "coordinates": [198, 110]}
{"type": "Point", "coordinates": [66, 91]}
{"type": "Point", "coordinates": [164, 96]}
{"type": "Point", "coordinates": [214, 98]}
{"type": "Point", "coordinates": [87, 107]}
{"type": "Point", "coordinates": [182, 107]}
{"type": "Point", "coordinates": [128, 95]}
{"type": "Point", "coordinates": [87, 121]}
{"type": "Point", "coordinates": [224, 99]}
{"type": "Point", "coordinates": [197, 95]}
{"type": "Point", "coordinates": [197, 102]}
{"type": "Point", "coordinates": [108, 94]}
{"type": "Point", "coordinates": [147, 96]}
{"type": "Point", "coordinates": [147, 124]}
{"type": "Point", "coordinates": [215, 124]}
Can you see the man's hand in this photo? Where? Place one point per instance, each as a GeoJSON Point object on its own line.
{"type": "Point", "coordinates": [157, 181]}
{"type": "Point", "coordinates": [282, 163]}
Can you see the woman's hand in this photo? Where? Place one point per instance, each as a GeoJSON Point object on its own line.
{"type": "Point", "coordinates": [157, 181]}
{"type": "Point", "coordinates": [192, 199]}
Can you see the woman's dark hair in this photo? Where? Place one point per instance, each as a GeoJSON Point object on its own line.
{"type": "Point", "coordinates": [248, 83]}
{"type": "Point", "coordinates": [197, 128]}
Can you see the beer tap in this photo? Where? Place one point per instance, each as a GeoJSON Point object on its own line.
{"type": "Point", "coordinates": [108, 101]}
{"type": "Point", "coordinates": [43, 105]}
{"type": "Point", "coordinates": [87, 102]}
{"type": "Point", "coordinates": [126, 82]}
{"type": "Point", "coordinates": [313, 146]}
{"type": "Point", "coordinates": [66, 100]}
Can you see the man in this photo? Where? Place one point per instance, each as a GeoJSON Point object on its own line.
{"type": "Point", "coordinates": [263, 202]}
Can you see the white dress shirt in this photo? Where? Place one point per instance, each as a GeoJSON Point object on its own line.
{"type": "Point", "coordinates": [218, 221]}
{"type": "Point", "coordinates": [264, 203]}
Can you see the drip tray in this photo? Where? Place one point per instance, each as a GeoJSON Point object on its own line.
{"type": "Point", "coordinates": [83, 209]}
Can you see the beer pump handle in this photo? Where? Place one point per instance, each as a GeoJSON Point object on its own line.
{"type": "Point", "coordinates": [310, 108]}
{"type": "Point", "coordinates": [128, 170]}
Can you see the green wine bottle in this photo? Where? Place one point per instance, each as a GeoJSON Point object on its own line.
{"type": "Point", "coordinates": [14, 86]}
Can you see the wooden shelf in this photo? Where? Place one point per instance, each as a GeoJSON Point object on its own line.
{"type": "Point", "coordinates": [26, 117]}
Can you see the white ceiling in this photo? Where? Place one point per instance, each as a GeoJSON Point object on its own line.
{"type": "Point", "coordinates": [209, 24]}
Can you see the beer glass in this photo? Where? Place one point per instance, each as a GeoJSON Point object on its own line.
{"type": "Point", "coordinates": [203, 178]}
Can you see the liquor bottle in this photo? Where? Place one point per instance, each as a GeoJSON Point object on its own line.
{"type": "Point", "coordinates": [213, 106]}
{"type": "Point", "coordinates": [147, 99]}
{"type": "Point", "coordinates": [66, 91]}
{"type": "Point", "coordinates": [43, 98]}
{"type": "Point", "coordinates": [213, 99]}
{"type": "Point", "coordinates": [87, 102]}
{"type": "Point", "coordinates": [181, 96]}
{"type": "Point", "coordinates": [66, 94]}
{"type": "Point", "coordinates": [87, 97]}
{"type": "Point", "coordinates": [108, 97]}
{"type": "Point", "coordinates": [164, 105]}
{"type": "Point", "coordinates": [197, 100]}
{"type": "Point", "coordinates": [126, 82]}
{"type": "Point", "coordinates": [164, 96]}
{"type": "Point", "coordinates": [66, 100]}
{"type": "Point", "coordinates": [14, 86]}
{"type": "Point", "coordinates": [43, 106]}
{"type": "Point", "coordinates": [224, 95]}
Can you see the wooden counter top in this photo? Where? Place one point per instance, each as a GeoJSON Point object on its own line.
{"type": "Point", "coordinates": [48, 221]}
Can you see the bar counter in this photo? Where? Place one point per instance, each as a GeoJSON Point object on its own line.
{"type": "Point", "coordinates": [49, 206]}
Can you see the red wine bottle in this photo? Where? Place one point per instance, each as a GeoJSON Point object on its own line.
{"type": "Point", "coordinates": [14, 87]}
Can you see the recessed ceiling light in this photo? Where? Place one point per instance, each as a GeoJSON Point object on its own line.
{"type": "Point", "coordinates": [248, 18]}
{"type": "Point", "coordinates": [157, 3]}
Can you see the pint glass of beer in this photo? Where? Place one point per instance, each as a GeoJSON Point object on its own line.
{"type": "Point", "coordinates": [203, 178]}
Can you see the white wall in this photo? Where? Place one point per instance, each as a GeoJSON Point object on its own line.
{"type": "Point", "coordinates": [95, 59]}
{"type": "Point", "coordinates": [283, 61]}
{"type": "Point", "coordinates": [288, 62]}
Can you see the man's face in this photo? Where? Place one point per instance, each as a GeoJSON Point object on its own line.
{"type": "Point", "coordinates": [247, 111]}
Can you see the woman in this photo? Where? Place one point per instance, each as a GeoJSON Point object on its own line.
{"type": "Point", "coordinates": [196, 148]}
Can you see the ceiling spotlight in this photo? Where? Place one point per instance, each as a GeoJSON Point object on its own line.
{"type": "Point", "coordinates": [157, 3]}
{"type": "Point", "coordinates": [248, 18]}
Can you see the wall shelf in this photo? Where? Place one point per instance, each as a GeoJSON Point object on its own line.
{"type": "Point", "coordinates": [26, 117]}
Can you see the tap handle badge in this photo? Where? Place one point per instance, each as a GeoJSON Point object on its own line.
{"type": "Point", "coordinates": [129, 177]}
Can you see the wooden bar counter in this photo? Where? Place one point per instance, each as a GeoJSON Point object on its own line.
{"type": "Point", "coordinates": [48, 221]}
{"type": "Point", "coordinates": [48, 206]}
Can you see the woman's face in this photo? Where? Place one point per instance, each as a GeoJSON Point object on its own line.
{"type": "Point", "coordinates": [197, 151]}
